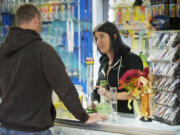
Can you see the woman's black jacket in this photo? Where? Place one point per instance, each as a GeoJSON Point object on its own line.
{"type": "Point", "coordinates": [125, 61]}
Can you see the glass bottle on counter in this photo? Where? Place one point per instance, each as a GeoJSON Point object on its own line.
{"type": "Point", "coordinates": [90, 75]}
{"type": "Point", "coordinates": [103, 88]}
{"type": "Point", "coordinates": [113, 103]}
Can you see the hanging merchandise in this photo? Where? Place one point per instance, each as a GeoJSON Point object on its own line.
{"type": "Point", "coordinates": [123, 15]}
{"type": "Point", "coordinates": [135, 20]}
{"type": "Point", "coordinates": [163, 9]}
{"type": "Point", "coordinates": [119, 16]}
{"type": "Point", "coordinates": [142, 14]}
{"type": "Point", "coordinates": [5, 22]}
{"type": "Point", "coordinates": [75, 72]}
{"type": "Point", "coordinates": [70, 35]}
{"type": "Point", "coordinates": [62, 13]}
{"type": "Point", "coordinates": [172, 10]}
{"type": "Point", "coordinates": [128, 15]}
{"type": "Point", "coordinates": [168, 8]}
{"type": "Point", "coordinates": [7, 5]}
{"type": "Point", "coordinates": [57, 11]}
{"type": "Point", "coordinates": [134, 43]}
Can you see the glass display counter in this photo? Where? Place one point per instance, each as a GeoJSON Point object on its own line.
{"type": "Point", "coordinates": [123, 124]}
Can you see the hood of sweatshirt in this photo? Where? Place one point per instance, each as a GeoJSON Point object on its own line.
{"type": "Point", "coordinates": [124, 50]}
{"type": "Point", "coordinates": [16, 39]}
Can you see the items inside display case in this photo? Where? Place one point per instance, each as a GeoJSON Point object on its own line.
{"type": "Point", "coordinates": [67, 26]}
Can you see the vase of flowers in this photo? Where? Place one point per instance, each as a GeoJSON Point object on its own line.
{"type": "Point", "coordinates": [138, 85]}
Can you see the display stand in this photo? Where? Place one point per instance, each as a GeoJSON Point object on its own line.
{"type": "Point", "coordinates": [165, 78]}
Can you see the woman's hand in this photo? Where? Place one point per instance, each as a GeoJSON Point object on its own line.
{"type": "Point", "coordinates": [94, 105]}
{"type": "Point", "coordinates": [117, 96]}
{"type": "Point", "coordinates": [101, 91]}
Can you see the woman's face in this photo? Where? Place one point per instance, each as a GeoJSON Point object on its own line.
{"type": "Point", "coordinates": [103, 42]}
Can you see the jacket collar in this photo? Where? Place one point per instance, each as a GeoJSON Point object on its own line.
{"type": "Point", "coordinates": [104, 60]}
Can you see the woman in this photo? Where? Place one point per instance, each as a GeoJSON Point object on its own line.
{"type": "Point", "coordinates": [116, 59]}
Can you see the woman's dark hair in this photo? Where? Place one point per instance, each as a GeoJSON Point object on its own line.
{"type": "Point", "coordinates": [111, 30]}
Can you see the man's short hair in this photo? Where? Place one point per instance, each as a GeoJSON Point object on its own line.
{"type": "Point", "coordinates": [25, 13]}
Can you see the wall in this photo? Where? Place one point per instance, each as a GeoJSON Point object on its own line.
{"type": "Point", "coordinates": [97, 18]}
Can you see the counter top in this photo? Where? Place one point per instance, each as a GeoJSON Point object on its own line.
{"type": "Point", "coordinates": [124, 125]}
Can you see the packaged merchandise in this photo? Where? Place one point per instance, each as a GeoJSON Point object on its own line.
{"type": "Point", "coordinates": [164, 40]}
{"type": "Point", "coordinates": [177, 55]}
{"type": "Point", "coordinates": [167, 113]}
{"type": "Point", "coordinates": [178, 10]}
{"type": "Point", "coordinates": [119, 16]}
{"type": "Point", "coordinates": [174, 114]}
{"type": "Point", "coordinates": [174, 39]}
{"type": "Point", "coordinates": [177, 91]}
{"type": "Point", "coordinates": [172, 10]}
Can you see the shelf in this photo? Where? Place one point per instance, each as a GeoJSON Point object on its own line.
{"type": "Point", "coordinates": [61, 20]}
{"type": "Point", "coordinates": [163, 76]}
{"type": "Point", "coordinates": [158, 90]}
{"type": "Point", "coordinates": [134, 26]}
{"type": "Point", "coordinates": [171, 107]}
{"type": "Point", "coordinates": [164, 31]}
{"type": "Point", "coordinates": [122, 6]}
{"type": "Point", "coordinates": [64, 20]}
{"type": "Point", "coordinates": [161, 61]}
{"type": "Point", "coordinates": [57, 2]}
{"type": "Point", "coordinates": [163, 47]}
{"type": "Point", "coordinates": [128, 5]}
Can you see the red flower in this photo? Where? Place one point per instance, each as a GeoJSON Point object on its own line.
{"type": "Point", "coordinates": [145, 72]}
{"type": "Point", "coordinates": [131, 76]}
{"type": "Point", "coordinates": [133, 73]}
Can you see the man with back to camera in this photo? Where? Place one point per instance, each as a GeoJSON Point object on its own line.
{"type": "Point", "coordinates": [29, 71]}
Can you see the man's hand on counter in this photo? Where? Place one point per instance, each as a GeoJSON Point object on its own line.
{"type": "Point", "coordinates": [95, 117]}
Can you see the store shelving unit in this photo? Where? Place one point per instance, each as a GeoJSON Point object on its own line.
{"type": "Point", "coordinates": [165, 80]}
{"type": "Point", "coordinates": [132, 23]}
